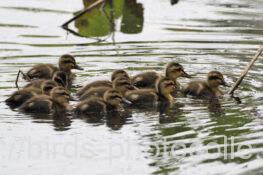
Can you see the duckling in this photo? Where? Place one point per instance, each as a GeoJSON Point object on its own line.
{"type": "Point", "coordinates": [121, 84]}
{"type": "Point", "coordinates": [111, 101]}
{"type": "Point", "coordinates": [58, 101]}
{"type": "Point", "coordinates": [208, 88]}
{"type": "Point", "coordinates": [104, 83]}
{"type": "Point", "coordinates": [148, 79]}
{"type": "Point", "coordinates": [163, 92]}
{"type": "Point", "coordinates": [46, 71]}
{"type": "Point", "coordinates": [22, 95]}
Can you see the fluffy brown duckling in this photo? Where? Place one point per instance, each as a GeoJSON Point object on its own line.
{"type": "Point", "coordinates": [163, 92]}
{"type": "Point", "coordinates": [58, 101]}
{"type": "Point", "coordinates": [148, 79]}
{"type": "Point", "coordinates": [111, 101]}
{"type": "Point", "coordinates": [121, 84]}
{"type": "Point", "coordinates": [104, 83]}
{"type": "Point", "coordinates": [22, 95]}
{"type": "Point", "coordinates": [208, 88]}
{"type": "Point", "coordinates": [46, 71]}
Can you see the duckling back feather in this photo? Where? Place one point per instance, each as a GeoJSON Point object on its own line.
{"type": "Point", "coordinates": [145, 80]}
{"type": "Point", "coordinates": [42, 71]}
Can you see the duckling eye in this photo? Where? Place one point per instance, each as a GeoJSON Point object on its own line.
{"type": "Point", "coordinates": [68, 61]}
{"type": "Point", "coordinates": [214, 78]}
{"type": "Point", "coordinates": [64, 94]}
{"type": "Point", "coordinates": [126, 83]}
{"type": "Point", "coordinates": [47, 88]}
{"type": "Point", "coordinates": [169, 84]}
{"type": "Point", "coordinates": [177, 70]}
{"type": "Point", "coordinates": [116, 96]}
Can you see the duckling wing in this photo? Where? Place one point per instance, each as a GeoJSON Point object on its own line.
{"type": "Point", "coordinates": [90, 106]}
{"type": "Point", "coordinates": [142, 97]}
{"type": "Point", "coordinates": [42, 71]}
{"type": "Point", "coordinates": [145, 80]}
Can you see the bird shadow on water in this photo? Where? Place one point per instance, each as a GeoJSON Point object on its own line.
{"type": "Point", "coordinates": [113, 119]}
{"type": "Point", "coordinates": [60, 121]}
{"type": "Point", "coordinates": [169, 113]}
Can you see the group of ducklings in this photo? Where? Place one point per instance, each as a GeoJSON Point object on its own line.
{"type": "Point", "coordinates": [49, 89]}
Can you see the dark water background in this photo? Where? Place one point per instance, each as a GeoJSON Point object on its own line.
{"type": "Point", "coordinates": [135, 36]}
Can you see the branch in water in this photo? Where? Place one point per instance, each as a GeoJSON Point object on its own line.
{"type": "Point", "coordinates": [248, 67]}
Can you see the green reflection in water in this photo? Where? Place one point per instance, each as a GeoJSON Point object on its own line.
{"type": "Point", "coordinates": [101, 21]}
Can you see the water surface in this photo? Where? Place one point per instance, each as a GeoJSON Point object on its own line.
{"type": "Point", "coordinates": [135, 36]}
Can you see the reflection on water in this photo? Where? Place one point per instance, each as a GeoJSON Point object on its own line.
{"type": "Point", "coordinates": [113, 120]}
{"type": "Point", "coordinates": [174, 1]}
{"type": "Point", "coordinates": [101, 21]}
{"type": "Point", "coordinates": [201, 35]}
{"type": "Point", "coordinates": [60, 122]}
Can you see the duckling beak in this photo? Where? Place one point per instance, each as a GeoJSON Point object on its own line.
{"type": "Point", "coordinates": [78, 67]}
{"type": "Point", "coordinates": [124, 100]}
{"type": "Point", "coordinates": [186, 75]}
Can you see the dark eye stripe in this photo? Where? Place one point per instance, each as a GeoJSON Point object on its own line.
{"type": "Point", "coordinates": [47, 88]}
{"type": "Point", "coordinates": [126, 83]}
{"type": "Point", "coordinates": [177, 69]}
{"type": "Point", "coordinates": [116, 96]}
{"type": "Point", "coordinates": [170, 84]}
{"type": "Point", "coordinates": [214, 78]}
{"type": "Point", "coordinates": [68, 61]}
{"type": "Point", "coordinates": [64, 93]}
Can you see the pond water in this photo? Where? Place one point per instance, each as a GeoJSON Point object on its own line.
{"type": "Point", "coordinates": [136, 35]}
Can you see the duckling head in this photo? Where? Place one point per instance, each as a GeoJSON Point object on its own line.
{"type": "Point", "coordinates": [175, 70]}
{"type": "Point", "coordinates": [60, 95]}
{"type": "Point", "coordinates": [119, 73]}
{"type": "Point", "coordinates": [47, 86]}
{"type": "Point", "coordinates": [215, 79]}
{"type": "Point", "coordinates": [68, 62]}
{"type": "Point", "coordinates": [61, 78]}
{"type": "Point", "coordinates": [123, 85]}
{"type": "Point", "coordinates": [165, 87]}
{"type": "Point", "coordinates": [113, 97]}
